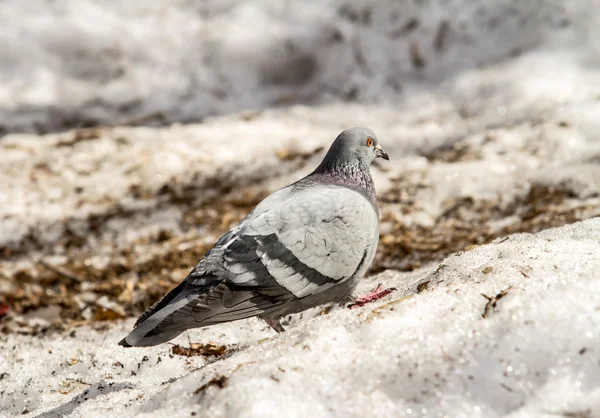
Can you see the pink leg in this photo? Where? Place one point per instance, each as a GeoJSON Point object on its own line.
{"type": "Point", "coordinates": [376, 294]}
{"type": "Point", "coordinates": [275, 324]}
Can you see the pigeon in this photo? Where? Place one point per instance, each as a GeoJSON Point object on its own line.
{"type": "Point", "coordinates": [305, 245]}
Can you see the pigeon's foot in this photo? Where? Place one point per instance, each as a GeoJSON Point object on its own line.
{"type": "Point", "coordinates": [275, 324]}
{"type": "Point", "coordinates": [376, 294]}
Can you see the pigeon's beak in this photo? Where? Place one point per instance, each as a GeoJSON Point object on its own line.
{"type": "Point", "coordinates": [381, 153]}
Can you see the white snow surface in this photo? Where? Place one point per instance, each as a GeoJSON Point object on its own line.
{"type": "Point", "coordinates": [411, 355]}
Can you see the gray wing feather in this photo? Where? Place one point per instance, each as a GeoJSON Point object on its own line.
{"type": "Point", "coordinates": [310, 241]}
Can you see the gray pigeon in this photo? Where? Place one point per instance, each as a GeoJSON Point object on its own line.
{"type": "Point", "coordinates": [304, 245]}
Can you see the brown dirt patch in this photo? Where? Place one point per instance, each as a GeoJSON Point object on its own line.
{"type": "Point", "coordinates": [467, 221]}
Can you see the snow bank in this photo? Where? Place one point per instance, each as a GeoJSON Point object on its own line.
{"type": "Point", "coordinates": [505, 329]}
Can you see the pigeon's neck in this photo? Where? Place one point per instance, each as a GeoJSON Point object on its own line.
{"type": "Point", "coordinates": [353, 175]}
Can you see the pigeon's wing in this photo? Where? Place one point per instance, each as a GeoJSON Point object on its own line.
{"type": "Point", "coordinates": [308, 243]}
{"type": "Point", "coordinates": [292, 245]}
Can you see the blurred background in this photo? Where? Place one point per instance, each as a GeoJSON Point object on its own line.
{"type": "Point", "coordinates": [70, 64]}
{"type": "Point", "coordinates": [136, 133]}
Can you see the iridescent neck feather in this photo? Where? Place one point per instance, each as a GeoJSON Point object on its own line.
{"type": "Point", "coordinates": [351, 174]}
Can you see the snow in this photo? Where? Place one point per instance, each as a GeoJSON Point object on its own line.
{"type": "Point", "coordinates": [71, 63]}
{"type": "Point", "coordinates": [491, 128]}
{"type": "Point", "coordinates": [413, 354]}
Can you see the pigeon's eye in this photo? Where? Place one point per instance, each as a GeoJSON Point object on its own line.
{"type": "Point", "coordinates": [369, 141]}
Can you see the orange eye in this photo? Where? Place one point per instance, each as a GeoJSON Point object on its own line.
{"type": "Point", "coordinates": [369, 141]}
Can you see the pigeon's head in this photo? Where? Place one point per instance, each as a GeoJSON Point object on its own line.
{"type": "Point", "coordinates": [356, 144]}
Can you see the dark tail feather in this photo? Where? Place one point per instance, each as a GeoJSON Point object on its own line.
{"type": "Point", "coordinates": [176, 299]}
{"type": "Point", "coordinates": [174, 295]}
{"type": "Point", "coordinates": [189, 306]}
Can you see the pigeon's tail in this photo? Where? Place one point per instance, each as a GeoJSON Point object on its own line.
{"type": "Point", "coordinates": [192, 306]}
{"type": "Point", "coordinates": [147, 331]}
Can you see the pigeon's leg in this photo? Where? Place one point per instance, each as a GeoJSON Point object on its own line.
{"type": "Point", "coordinates": [376, 294]}
{"type": "Point", "coordinates": [275, 324]}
